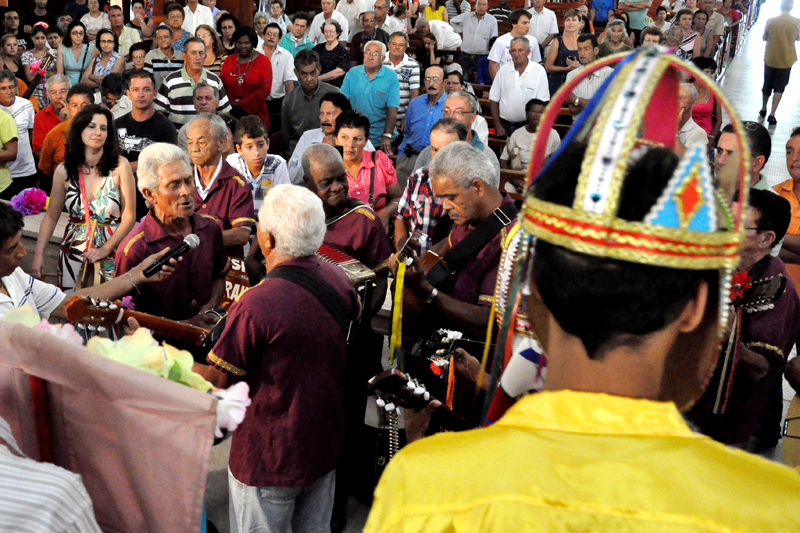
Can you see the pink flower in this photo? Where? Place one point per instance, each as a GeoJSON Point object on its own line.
{"type": "Point", "coordinates": [127, 302]}
{"type": "Point", "coordinates": [36, 199]}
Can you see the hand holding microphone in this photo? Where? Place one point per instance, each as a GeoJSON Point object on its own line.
{"type": "Point", "coordinates": [189, 243]}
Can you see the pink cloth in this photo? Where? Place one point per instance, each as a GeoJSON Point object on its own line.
{"type": "Point", "coordinates": [140, 443]}
{"type": "Point", "coordinates": [385, 175]}
{"type": "Point", "coordinates": [701, 114]}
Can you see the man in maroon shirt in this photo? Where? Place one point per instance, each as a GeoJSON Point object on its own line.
{"type": "Point", "coordinates": [219, 190]}
{"type": "Point", "coordinates": [283, 455]}
{"type": "Point", "coordinates": [198, 284]}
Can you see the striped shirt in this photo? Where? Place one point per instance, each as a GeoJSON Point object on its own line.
{"type": "Point", "coordinates": [37, 497]}
{"type": "Point", "coordinates": [588, 85]}
{"type": "Point", "coordinates": [162, 66]}
{"type": "Point", "coordinates": [23, 289]}
{"type": "Point", "coordinates": [175, 97]}
{"type": "Point", "coordinates": [408, 74]}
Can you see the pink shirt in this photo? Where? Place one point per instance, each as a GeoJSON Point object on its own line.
{"type": "Point", "coordinates": [385, 175]}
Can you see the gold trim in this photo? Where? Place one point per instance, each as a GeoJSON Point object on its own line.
{"type": "Point", "coordinates": [240, 180]}
{"type": "Point", "coordinates": [132, 241]}
{"type": "Point", "coordinates": [486, 298]}
{"type": "Point", "coordinates": [242, 219]}
{"type": "Point", "coordinates": [366, 212]}
{"type": "Point", "coordinates": [766, 347]}
{"type": "Point", "coordinates": [224, 364]}
{"type": "Point", "coordinates": [212, 217]}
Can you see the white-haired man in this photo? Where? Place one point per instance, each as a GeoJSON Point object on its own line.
{"type": "Point", "coordinates": [446, 37]}
{"type": "Point", "coordinates": [689, 132]}
{"type": "Point", "coordinates": [298, 406]}
{"type": "Point", "coordinates": [165, 180]}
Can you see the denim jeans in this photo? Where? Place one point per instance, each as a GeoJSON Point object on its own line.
{"type": "Point", "coordinates": [282, 509]}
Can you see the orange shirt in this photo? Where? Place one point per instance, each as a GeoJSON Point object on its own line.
{"type": "Point", "coordinates": [54, 148]}
{"type": "Point", "coordinates": [786, 190]}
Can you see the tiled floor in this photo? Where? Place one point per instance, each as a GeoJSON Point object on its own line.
{"type": "Point", "coordinates": [742, 84]}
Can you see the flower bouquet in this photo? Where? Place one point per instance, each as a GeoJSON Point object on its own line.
{"type": "Point", "coordinates": [31, 201]}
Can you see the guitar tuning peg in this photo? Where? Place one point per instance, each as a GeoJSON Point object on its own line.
{"type": "Point", "coordinates": [380, 402]}
{"type": "Point", "coordinates": [390, 407]}
{"type": "Point", "coordinates": [103, 304]}
{"type": "Point", "coordinates": [81, 325]}
{"type": "Point", "coordinates": [113, 307]}
{"type": "Point", "coordinates": [92, 327]}
{"type": "Point", "coordinates": [419, 391]}
{"type": "Point", "coordinates": [426, 396]}
{"type": "Point", "coordinates": [100, 329]}
{"type": "Point", "coordinates": [411, 385]}
{"type": "Point", "coordinates": [397, 410]}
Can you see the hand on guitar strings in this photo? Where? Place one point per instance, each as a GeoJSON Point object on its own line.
{"type": "Point", "coordinates": [415, 275]}
{"type": "Point", "coordinates": [417, 420]}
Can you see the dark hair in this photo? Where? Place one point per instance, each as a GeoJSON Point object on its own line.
{"type": "Point", "coordinates": [100, 35]}
{"type": "Point", "coordinates": [532, 102]}
{"type": "Point", "coordinates": [68, 36]}
{"type": "Point", "coordinates": [337, 99]}
{"type": "Point", "coordinates": [450, 125]}
{"type": "Point", "coordinates": [218, 50]}
{"type": "Point", "coordinates": [399, 9]}
{"type": "Point", "coordinates": [173, 6]}
{"type": "Point", "coordinates": [113, 84]}
{"type": "Point", "coordinates": [758, 139]}
{"type": "Point", "coordinates": [80, 88]}
{"type": "Point", "coordinates": [774, 212]}
{"type": "Point", "coordinates": [146, 74]}
{"type": "Point", "coordinates": [700, 12]}
{"type": "Point", "coordinates": [38, 28]}
{"type": "Point", "coordinates": [274, 25]}
{"type": "Point", "coordinates": [659, 9]}
{"type": "Point", "coordinates": [114, 7]}
{"type": "Point", "coordinates": [162, 27]}
{"type": "Point", "coordinates": [651, 30]}
{"type": "Point", "coordinates": [331, 22]}
{"type": "Point", "coordinates": [583, 37]}
{"type": "Point", "coordinates": [597, 299]}
{"type": "Point", "coordinates": [683, 12]}
{"type": "Point", "coordinates": [352, 119]}
{"type": "Point", "coordinates": [191, 40]}
{"type": "Point", "coordinates": [306, 57]}
{"type": "Point", "coordinates": [245, 31]}
{"type": "Point", "coordinates": [250, 126]}
{"type": "Point", "coordinates": [302, 15]}
{"type": "Point", "coordinates": [11, 222]}
{"type": "Point", "coordinates": [143, 46]}
{"type": "Point", "coordinates": [703, 63]}
{"type": "Point", "coordinates": [795, 131]}
{"type": "Point", "coordinates": [456, 73]}
{"type": "Point", "coordinates": [75, 154]}
{"type": "Point", "coordinates": [432, 37]}
{"type": "Point", "coordinates": [515, 15]}
{"type": "Point", "coordinates": [137, 2]}
{"type": "Point", "coordinates": [230, 121]}
{"type": "Point", "coordinates": [223, 18]}
{"type": "Point", "coordinates": [65, 14]}
{"type": "Point", "coordinates": [56, 30]}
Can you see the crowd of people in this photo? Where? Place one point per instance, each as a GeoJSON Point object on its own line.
{"type": "Point", "coordinates": [269, 140]}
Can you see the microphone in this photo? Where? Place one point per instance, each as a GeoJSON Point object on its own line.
{"type": "Point", "coordinates": [189, 243]}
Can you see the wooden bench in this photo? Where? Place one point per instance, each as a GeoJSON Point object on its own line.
{"type": "Point", "coordinates": [509, 181]}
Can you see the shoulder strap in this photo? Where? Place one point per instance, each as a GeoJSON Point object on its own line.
{"type": "Point", "coordinates": [473, 243]}
{"type": "Point", "coordinates": [372, 182]}
{"type": "Point", "coordinates": [324, 293]}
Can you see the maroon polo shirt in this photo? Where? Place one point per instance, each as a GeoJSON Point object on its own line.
{"type": "Point", "coordinates": [360, 234]}
{"type": "Point", "coordinates": [474, 283]}
{"type": "Point", "coordinates": [291, 352]}
{"type": "Point", "coordinates": [44, 121]}
{"type": "Point", "coordinates": [229, 202]}
{"type": "Point", "coordinates": [180, 296]}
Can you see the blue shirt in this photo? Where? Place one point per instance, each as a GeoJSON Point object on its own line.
{"type": "Point", "coordinates": [373, 97]}
{"type": "Point", "coordinates": [289, 43]}
{"type": "Point", "coordinates": [420, 118]}
{"type": "Point", "coordinates": [601, 8]}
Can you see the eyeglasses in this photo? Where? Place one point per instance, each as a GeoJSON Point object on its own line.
{"type": "Point", "coordinates": [458, 113]}
{"type": "Point", "coordinates": [163, 37]}
{"type": "Point", "coordinates": [435, 78]}
{"type": "Point", "coordinates": [175, 17]}
{"type": "Point", "coordinates": [272, 34]}
{"type": "Point", "coordinates": [368, 21]}
{"type": "Point", "coordinates": [372, 54]}
{"type": "Point", "coordinates": [203, 36]}
{"type": "Point", "coordinates": [77, 33]}
{"type": "Point", "coordinates": [106, 41]}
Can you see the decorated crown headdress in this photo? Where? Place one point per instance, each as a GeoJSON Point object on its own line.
{"type": "Point", "coordinates": [694, 225]}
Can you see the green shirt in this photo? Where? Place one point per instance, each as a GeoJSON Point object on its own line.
{"type": "Point", "coordinates": [8, 132]}
{"type": "Point", "coordinates": [288, 42]}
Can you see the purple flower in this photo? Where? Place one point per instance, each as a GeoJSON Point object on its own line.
{"type": "Point", "coordinates": [18, 203]}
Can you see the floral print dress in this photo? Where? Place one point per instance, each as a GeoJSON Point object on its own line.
{"type": "Point", "coordinates": [106, 211]}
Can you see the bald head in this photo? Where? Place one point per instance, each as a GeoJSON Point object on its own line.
{"type": "Point", "coordinates": [324, 174]}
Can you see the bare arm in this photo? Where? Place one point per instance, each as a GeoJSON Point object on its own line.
{"type": "Point", "coordinates": [336, 73]}
{"type": "Point", "coordinates": [791, 243]}
{"type": "Point", "coordinates": [59, 61]}
{"type": "Point", "coordinates": [548, 40]}
{"type": "Point", "coordinates": [57, 198]}
{"type": "Point", "coordinates": [127, 185]}
{"type": "Point", "coordinates": [400, 233]}
{"type": "Point", "coordinates": [288, 86]}
{"type": "Point", "coordinates": [88, 78]}
{"type": "Point", "coordinates": [493, 66]}
{"type": "Point", "coordinates": [119, 66]}
{"type": "Point", "coordinates": [391, 122]}
{"type": "Point", "coordinates": [235, 236]}
{"type": "Point", "coordinates": [393, 192]}
{"type": "Point", "coordinates": [9, 151]}
{"type": "Point", "coordinates": [498, 128]}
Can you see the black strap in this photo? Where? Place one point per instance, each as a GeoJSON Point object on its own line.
{"type": "Point", "coordinates": [372, 182]}
{"type": "Point", "coordinates": [473, 243]}
{"type": "Point", "coordinates": [327, 295]}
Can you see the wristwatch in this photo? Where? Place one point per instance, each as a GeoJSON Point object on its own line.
{"type": "Point", "coordinates": [434, 293]}
{"type": "Point", "coordinates": [387, 135]}
{"type": "Point", "coordinates": [577, 102]}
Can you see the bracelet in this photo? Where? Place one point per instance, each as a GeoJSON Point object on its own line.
{"type": "Point", "coordinates": [434, 293]}
{"type": "Point", "coordinates": [130, 276]}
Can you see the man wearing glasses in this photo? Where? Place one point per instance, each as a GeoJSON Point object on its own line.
{"type": "Point", "coordinates": [369, 33]}
{"type": "Point", "coordinates": [422, 114]}
{"type": "Point", "coordinates": [162, 61]}
{"type": "Point", "coordinates": [283, 76]}
{"type": "Point", "coordinates": [382, 18]}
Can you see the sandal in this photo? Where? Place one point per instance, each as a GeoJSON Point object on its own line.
{"type": "Point", "coordinates": [772, 120]}
{"type": "Point", "coordinates": [762, 113]}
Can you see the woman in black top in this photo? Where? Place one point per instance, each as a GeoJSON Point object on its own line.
{"type": "Point", "coordinates": [428, 54]}
{"type": "Point", "coordinates": [334, 58]}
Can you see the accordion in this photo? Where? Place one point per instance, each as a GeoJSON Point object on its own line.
{"type": "Point", "coordinates": [356, 272]}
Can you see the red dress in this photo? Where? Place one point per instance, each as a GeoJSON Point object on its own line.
{"type": "Point", "coordinates": [702, 114]}
{"type": "Point", "coordinates": [256, 84]}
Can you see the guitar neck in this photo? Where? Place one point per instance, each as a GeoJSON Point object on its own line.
{"type": "Point", "coordinates": [32, 87]}
{"type": "Point", "coordinates": [169, 328]}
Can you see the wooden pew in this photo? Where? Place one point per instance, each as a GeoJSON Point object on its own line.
{"type": "Point", "coordinates": [509, 182]}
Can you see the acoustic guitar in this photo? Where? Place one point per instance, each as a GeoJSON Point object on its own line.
{"type": "Point", "coordinates": [47, 61]}
{"type": "Point", "coordinates": [95, 312]}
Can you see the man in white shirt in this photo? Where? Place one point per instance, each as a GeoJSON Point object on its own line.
{"type": "Point", "coordinates": [516, 83]}
{"type": "Point", "coordinates": [315, 34]}
{"type": "Point", "coordinates": [544, 25]}
{"type": "Point", "coordinates": [689, 133]}
{"type": "Point", "coordinates": [587, 54]}
{"type": "Point", "coordinates": [195, 14]}
{"type": "Point", "coordinates": [476, 28]}
{"type": "Point", "coordinates": [382, 19]}
{"type": "Point", "coordinates": [500, 53]}
{"type": "Point", "coordinates": [283, 75]}
{"type": "Point", "coordinates": [715, 20]}
{"type": "Point", "coordinates": [351, 9]}
{"type": "Point", "coordinates": [446, 37]}
{"type": "Point", "coordinates": [23, 168]}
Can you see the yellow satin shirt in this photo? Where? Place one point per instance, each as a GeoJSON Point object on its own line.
{"type": "Point", "coordinates": [574, 462]}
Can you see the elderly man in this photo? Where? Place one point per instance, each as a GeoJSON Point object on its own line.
{"type": "Point", "coordinates": [283, 76]}
{"type": "Point", "coordinates": [298, 408]}
{"type": "Point", "coordinates": [407, 70]}
{"type": "Point", "coordinates": [176, 95]}
{"type": "Point", "coordinates": [296, 40]}
{"type": "Point", "coordinates": [500, 54]}
{"type": "Point", "coordinates": [328, 12]}
{"type": "Point", "coordinates": [351, 9]}
{"type": "Point", "coordinates": [374, 90]}
{"type": "Point", "coordinates": [220, 193]}
{"type": "Point", "coordinates": [206, 100]}
{"type": "Point", "coordinates": [464, 108]}
{"type": "Point", "coordinates": [544, 26]}
{"type": "Point", "coordinates": [55, 142]}
{"type": "Point", "coordinates": [23, 168]}
{"type": "Point", "coordinates": [126, 36]}
{"type": "Point", "coordinates": [382, 18]}
{"type": "Point", "coordinates": [476, 29]}
{"type": "Point", "coordinates": [368, 33]}
{"type": "Point", "coordinates": [418, 209]}
{"type": "Point", "coordinates": [330, 106]}
{"type": "Point", "coordinates": [446, 37]}
{"type": "Point", "coordinates": [51, 116]}
{"type": "Point", "coordinates": [515, 84]}
{"type": "Point", "coordinates": [423, 112]}
{"type": "Point", "coordinates": [163, 60]}
{"type": "Point", "coordinates": [301, 107]}
{"type": "Point", "coordinates": [588, 48]}
{"type": "Point", "coordinates": [165, 180]}
{"type": "Point", "coordinates": [689, 132]}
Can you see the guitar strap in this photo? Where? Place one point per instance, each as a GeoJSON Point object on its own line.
{"type": "Point", "coordinates": [324, 293]}
{"type": "Point", "coordinates": [473, 243]}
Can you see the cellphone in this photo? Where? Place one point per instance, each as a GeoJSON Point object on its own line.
{"type": "Point", "coordinates": [340, 149]}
